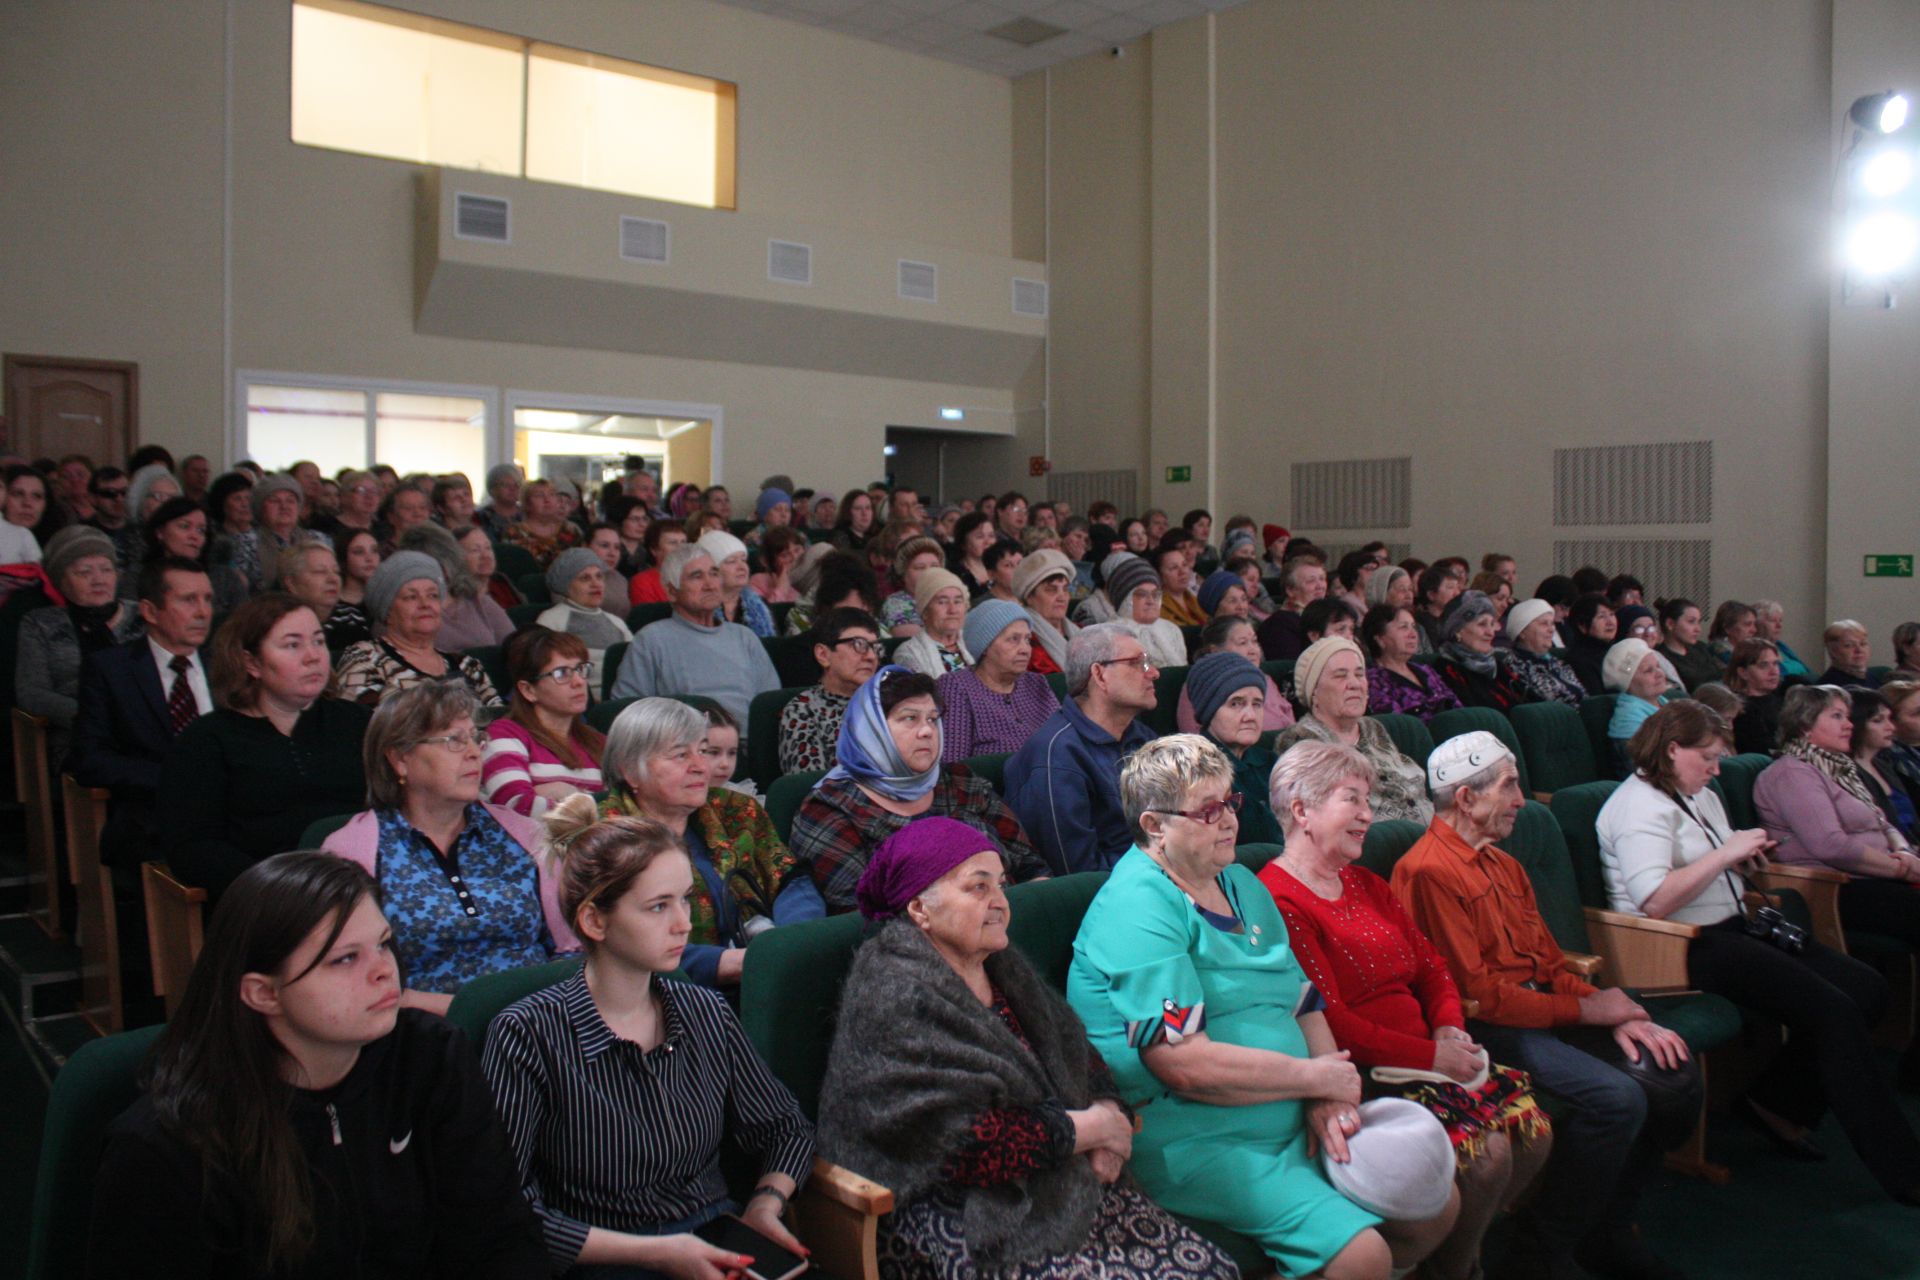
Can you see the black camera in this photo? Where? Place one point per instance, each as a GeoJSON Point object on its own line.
{"type": "Point", "coordinates": [1768, 925]}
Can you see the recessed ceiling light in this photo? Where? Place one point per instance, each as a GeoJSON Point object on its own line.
{"type": "Point", "coordinates": [1026, 32]}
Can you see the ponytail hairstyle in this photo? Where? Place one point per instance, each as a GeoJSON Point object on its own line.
{"type": "Point", "coordinates": [598, 859]}
{"type": "Point", "coordinates": [216, 1076]}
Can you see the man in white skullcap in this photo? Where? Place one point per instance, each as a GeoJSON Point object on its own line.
{"type": "Point", "coordinates": [1626, 1077]}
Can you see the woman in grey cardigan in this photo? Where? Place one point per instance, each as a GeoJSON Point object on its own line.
{"type": "Point", "coordinates": [961, 1081]}
{"type": "Point", "coordinates": [55, 640]}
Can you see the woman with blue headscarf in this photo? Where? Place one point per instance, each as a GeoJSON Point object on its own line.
{"type": "Point", "coordinates": [889, 774]}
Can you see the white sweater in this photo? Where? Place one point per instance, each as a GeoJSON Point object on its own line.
{"type": "Point", "coordinates": [17, 545]}
{"type": "Point", "coordinates": [1644, 836]}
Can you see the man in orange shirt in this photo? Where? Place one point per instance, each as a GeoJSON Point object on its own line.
{"type": "Point", "coordinates": [1477, 906]}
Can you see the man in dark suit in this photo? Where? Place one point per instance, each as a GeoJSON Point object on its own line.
{"type": "Point", "coordinates": [136, 697]}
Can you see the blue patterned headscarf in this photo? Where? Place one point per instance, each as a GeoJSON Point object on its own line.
{"type": "Point", "coordinates": [866, 749]}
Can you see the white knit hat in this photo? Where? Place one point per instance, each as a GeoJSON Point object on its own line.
{"type": "Point", "coordinates": [1400, 1164]}
{"type": "Point", "coordinates": [1525, 614]}
{"type": "Point", "coordinates": [720, 544]}
{"type": "Point", "coordinates": [1461, 757]}
{"type": "Point", "coordinates": [1617, 668]}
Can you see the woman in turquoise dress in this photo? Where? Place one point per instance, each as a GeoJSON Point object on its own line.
{"type": "Point", "coordinates": [1190, 992]}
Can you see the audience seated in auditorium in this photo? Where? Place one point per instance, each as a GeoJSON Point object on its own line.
{"type": "Point", "coordinates": [1234, 635]}
{"type": "Point", "coordinates": [940, 604]}
{"type": "Point", "coordinates": [1189, 1010]}
{"type": "Point", "coordinates": [1230, 692]}
{"type": "Point", "coordinates": [462, 883]}
{"type": "Point", "coordinates": [404, 601]}
{"type": "Point", "coordinates": [1591, 628]}
{"type": "Point", "coordinates": [889, 774]}
{"type": "Point", "coordinates": [293, 1112]}
{"type": "Point", "coordinates": [1390, 1001]}
{"type": "Point", "coordinates": [1283, 637]}
{"type": "Point", "coordinates": [621, 1168]}
{"type": "Point", "coordinates": [739, 602]}
{"type": "Point", "coordinates": [959, 1079]}
{"type": "Point", "coordinates": [1638, 679]}
{"type": "Point", "coordinates": [1178, 604]}
{"type": "Point", "coordinates": [577, 582]}
{"type": "Point", "coordinates": [994, 706]}
{"type": "Point", "coordinates": [1733, 623]}
{"type": "Point", "coordinates": [1500, 592]}
{"type": "Point", "coordinates": [1902, 755]}
{"type": "Point", "coordinates": [1632, 1089]}
{"type": "Point", "coordinates": [780, 552]}
{"type": "Point", "coordinates": [310, 573]}
{"type": "Point", "coordinates": [55, 640]}
{"type": "Point", "coordinates": [1637, 622]}
{"type": "Point", "coordinates": [659, 540]}
{"type": "Point", "coordinates": [1434, 593]}
{"type": "Point", "coordinates": [1390, 585]}
{"type": "Point", "coordinates": [1002, 560]}
{"type": "Point", "coordinates": [542, 530]}
{"type": "Point", "coordinates": [604, 541]}
{"type": "Point", "coordinates": [693, 652]}
{"type": "Point", "coordinates": [846, 644]}
{"type": "Point", "coordinates": [502, 509]}
{"type": "Point", "coordinates": [1133, 588]}
{"type": "Point", "coordinates": [24, 515]}
{"type": "Point", "coordinates": [358, 555]}
{"type": "Point", "coordinates": [1753, 672]}
{"type": "Point", "coordinates": [855, 521]}
{"type": "Point", "coordinates": [1529, 659]}
{"type": "Point", "coordinates": [1668, 851]}
{"type": "Point", "coordinates": [1223, 595]}
{"type": "Point", "coordinates": [256, 552]}
{"type": "Point", "coordinates": [1467, 662]}
{"type": "Point", "coordinates": [1332, 682]}
{"type": "Point", "coordinates": [1043, 586]}
{"type": "Point", "coordinates": [470, 618]}
{"type": "Point", "coordinates": [1064, 782]}
{"type": "Point", "coordinates": [227, 502]}
{"type": "Point", "coordinates": [657, 768]}
{"type": "Point", "coordinates": [542, 751]}
{"type": "Point", "coordinates": [178, 527]}
{"type": "Point", "coordinates": [1352, 577]}
{"type": "Point", "coordinates": [136, 697]}
{"type": "Point", "coordinates": [972, 535]}
{"type": "Point", "coordinates": [1849, 650]}
{"type": "Point", "coordinates": [1396, 684]}
{"type": "Point", "coordinates": [1769, 618]}
{"type": "Point", "coordinates": [898, 612]}
{"type": "Point", "coordinates": [1681, 645]}
{"type": "Point", "coordinates": [829, 579]}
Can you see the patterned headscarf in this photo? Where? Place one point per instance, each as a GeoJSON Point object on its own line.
{"type": "Point", "coordinates": [867, 752]}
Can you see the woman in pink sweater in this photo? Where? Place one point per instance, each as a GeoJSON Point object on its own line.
{"type": "Point", "coordinates": [541, 751]}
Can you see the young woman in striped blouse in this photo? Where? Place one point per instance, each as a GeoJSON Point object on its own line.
{"type": "Point", "coordinates": [541, 751]}
{"type": "Point", "coordinates": [618, 1086]}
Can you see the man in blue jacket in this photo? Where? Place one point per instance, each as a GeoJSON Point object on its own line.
{"type": "Point", "coordinates": [1064, 784]}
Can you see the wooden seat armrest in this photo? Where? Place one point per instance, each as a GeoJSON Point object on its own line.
{"type": "Point", "coordinates": [1819, 887]}
{"type": "Point", "coordinates": [1798, 871]}
{"type": "Point", "coordinates": [1580, 963]}
{"type": "Point", "coordinates": [1544, 797]}
{"type": "Point", "coordinates": [845, 1187]}
{"type": "Point", "coordinates": [1621, 920]}
{"type": "Point", "coordinates": [163, 874]}
{"type": "Point", "coordinates": [1641, 952]}
{"type": "Point", "coordinates": [1469, 1008]}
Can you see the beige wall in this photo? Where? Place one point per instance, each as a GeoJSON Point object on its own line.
{"type": "Point", "coordinates": [834, 132]}
{"type": "Point", "coordinates": [1473, 233]}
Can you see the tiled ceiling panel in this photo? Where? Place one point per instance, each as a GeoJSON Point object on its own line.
{"type": "Point", "coordinates": [962, 30]}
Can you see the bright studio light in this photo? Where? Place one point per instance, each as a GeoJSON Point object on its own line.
{"type": "Point", "coordinates": [1882, 244]}
{"type": "Point", "coordinates": [1885, 112]}
{"type": "Point", "coordinates": [1887, 173]}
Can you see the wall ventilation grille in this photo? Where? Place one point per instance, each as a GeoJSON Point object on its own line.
{"type": "Point", "coordinates": [1668, 566]}
{"type": "Point", "coordinates": [919, 281]}
{"type": "Point", "coordinates": [1084, 488]}
{"type": "Point", "coordinates": [1634, 484]}
{"type": "Point", "coordinates": [482, 218]}
{"type": "Point", "coordinates": [644, 240]}
{"type": "Point", "coordinates": [1357, 493]}
{"type": "Point", "coordinates": [1337, 551]}
{"type": "Point", "coordinates": [1030, 299]}
{"type": "Point", "coordinates": [790, 262]}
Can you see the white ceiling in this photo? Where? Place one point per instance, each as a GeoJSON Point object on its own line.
{"type": "Point", "coordinates": [956, 30]}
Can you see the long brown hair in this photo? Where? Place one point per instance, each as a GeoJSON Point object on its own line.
{"type": "Point", "coordinates": [239, 638]}
{"type": "Point", "coordinates": [215, 1079]}
{"type": "Point", "coordinates": [527, 653]}
{"type": "Point", "coordinates": [598, 859]}
{"type": "Point", "coordinates": [1681, 723]}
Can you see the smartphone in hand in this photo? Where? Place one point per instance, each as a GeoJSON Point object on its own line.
{"type": "Point", "coordinates": [770, 1261]}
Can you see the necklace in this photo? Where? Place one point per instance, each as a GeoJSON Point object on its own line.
{"type": "Point", "coordinates": [1293, 867]}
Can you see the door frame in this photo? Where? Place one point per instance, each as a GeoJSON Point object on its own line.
{"type": "Point", "coordinates": [131, 368]}
{"type": "Point", "coordinates": [514, 399]}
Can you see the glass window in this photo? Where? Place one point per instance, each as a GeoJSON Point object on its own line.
{"type": "Point", "coordinates": [436, 434]}
{"type": "Point", "coordinates": [286, 425]}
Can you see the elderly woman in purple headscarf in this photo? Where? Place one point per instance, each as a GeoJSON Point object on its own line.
{"type": "Point", "coordinates": [964, 1083]}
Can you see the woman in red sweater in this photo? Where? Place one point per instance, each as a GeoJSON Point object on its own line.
{"type": "Point", "coordinates": [1390, 1000]}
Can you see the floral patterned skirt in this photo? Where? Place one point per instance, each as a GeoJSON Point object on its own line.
{"type": "Point", "coordinates": [1132, 1238]}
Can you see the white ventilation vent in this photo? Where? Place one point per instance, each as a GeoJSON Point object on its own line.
{"type": "Point", "coordinates": [1030, 299]}
{"type": "Point", "coordinates": [1668, 566]}
{"type": "Point", "coordinates": [1084, 488]}
{"type": "Point", "coordinates": [790, 262]}
{"type": "Point", "coordinates": [482, 218]}
{"type": "Point", "coordinates": [1357, 493]}
{"type": "Point", "coordinates": [919, 281]}
{"type": "Point", "coordinates": [643, 240]}
{"type": "Point", "coordinates": [1634, 484]}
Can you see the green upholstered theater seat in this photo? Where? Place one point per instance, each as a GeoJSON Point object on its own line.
{"type": "Point", "coordinates": [516, 562]}
{"type": "Point", "coordinates": [1455, 721]}
{"type": "Point", "coordinates": [1166, 689]}
{"type": "Point", "coordinates": [993, 768]}
{"type": "Point", "coordinates": [1596, 714]}
{"type": "Point", "coordinates": [1057, 681]}
{"type": "Point", "coordinates": [762, 732]}
{"type": "Point", "coordinates": [1735, 785]}
{"type": "Point", "coordinates": [642, 615]}
{"type": "Point", "coordinates": [493, 657]}
{"type": "Point", "coordinates": [1576, 809]}
{"type": "Point", "coordinates": [1387, 842]}
{"type": "Point", "coordinates": [601, 715]}
{"type": "Point", "coordinates": [792, 658]}
{"type": "Point", "coordinates": [1409, 734]}
{"type": "Point", "coordinates": [1554, 745]}
{"type": "Point", "coordinates": [475, 1004]}
{"type": "Point", "coordinates": [1256, 854]}
{"type": "Point", "coordinates": [525, 615]}
{"type": "Point", "coordinates": [1280, 671]}
{"type": "Point", "coordinates": [534, 587]}
{"type": "Point", "coordinates": [320, 828]}
{"type": "Point", "coordinates": [609, 667]}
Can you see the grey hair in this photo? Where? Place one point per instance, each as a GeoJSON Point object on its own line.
{"type": "Point", "coordinates": [1310, 772]}
{"type": "Point", "coordinates": [504, 471]}
{"type": "Point", "coordinates": [288, 561]}
{"type": "Point", "coordinates": [1094, 645]}
{"type": "Point", "coordinates": [444, 548]}
{"type": "Point", "coordinates": [1768, 608]}
{"type": "Point", "coordinates": [1447, 797]}
{"type": "Point", "coordinates": [1802, 706]}
{"type": "Point", "coordinates": [1160, 774]}
{"type": "Point", "coordinates": [644, 730]}
{"type": "Point", "coordinates": [399, 723]}
{"type": "Point", "coordinates": [676, 563]}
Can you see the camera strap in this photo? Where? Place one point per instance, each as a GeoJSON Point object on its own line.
{"type": "Point", "coordinates": [1745, 896]}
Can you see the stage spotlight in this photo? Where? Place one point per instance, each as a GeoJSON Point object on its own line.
{"type": "Point", "coordinates": [1882, 244]}
{"type": "Point", "coordinates": [1887, 172]}
{"type": "Point", "coordinates": [1882, 112]}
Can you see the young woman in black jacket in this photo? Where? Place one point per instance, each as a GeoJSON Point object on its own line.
{"type": "Point", "coordinates": [297, 1122]}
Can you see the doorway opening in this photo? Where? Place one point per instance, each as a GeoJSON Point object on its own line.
{"type": "Point", "coordinates": [946, 466]}
{"type": "Point", "coordinates": [586, 442]}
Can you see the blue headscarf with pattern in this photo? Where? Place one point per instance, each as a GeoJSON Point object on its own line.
{"type": "Point", "coordinates": [866, 750]}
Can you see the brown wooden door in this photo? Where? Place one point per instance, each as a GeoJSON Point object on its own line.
{"type": "Point", "coordinates": [58, 406]}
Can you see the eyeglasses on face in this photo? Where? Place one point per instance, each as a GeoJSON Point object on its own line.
{"type": "Point", "coordinates": [560, 675]}
{"type": "Point", "coordinates": [118, 491]}
{"type": "Point", "coordinates": [859, 644]}
{"type": "Point", "coordinates": [1210, 814]}
{"type": "Point", "coordinates": [457, 743]}
{"type": "Point", "coordinates": [1139, 660]}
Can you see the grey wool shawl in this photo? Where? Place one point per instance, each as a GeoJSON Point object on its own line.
{"type": "Point", "coordinates": [916, 1056]}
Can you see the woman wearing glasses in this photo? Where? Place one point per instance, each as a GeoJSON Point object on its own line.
{"type": "Point", "coordinates": [463, 887]}
{"type": "Point", "coordinates": [1187, 984]}
{"type": "Point", "coordinates": [542, 751]}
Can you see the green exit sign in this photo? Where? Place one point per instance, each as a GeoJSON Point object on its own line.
{"type": "Point", "coordinates": [1889, 566]}
{"type": "Point", "coordinates": [1179, 475]}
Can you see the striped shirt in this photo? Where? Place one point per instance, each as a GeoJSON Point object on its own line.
{"type": "Point", "coordinates": [515, 763]}
{"type": "Point", "coordinates": [610, 1136]}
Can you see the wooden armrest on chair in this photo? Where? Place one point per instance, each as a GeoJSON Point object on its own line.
{"type": "Point", "coordinates": [1469, 1008]}
{"type": "Point", "coordinates": [174, 929]}
{"type": "Point", "coordinates": [1544, 797]}
{"type": "Point", "coordinates": [1819, 886]}
{"type": "Point", "coordinates": [1578, 962]}
{"type": "Point", "coordinates": [837, 1215]}
{"type": "Point", "coordinates": [1641, 952]}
